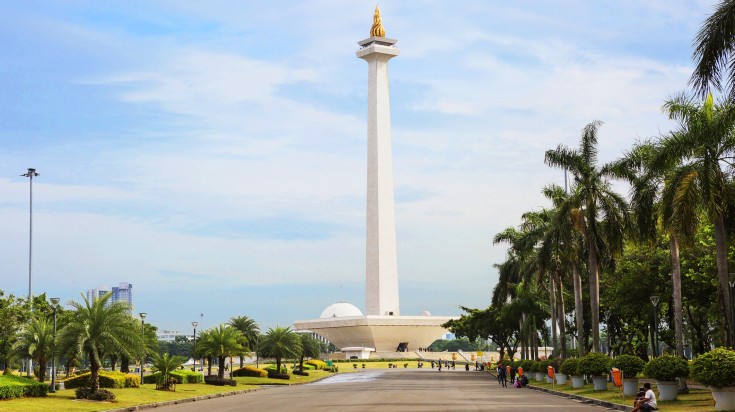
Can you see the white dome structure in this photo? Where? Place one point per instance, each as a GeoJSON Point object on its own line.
{"type": "Point", "coordinates": [340, 310]}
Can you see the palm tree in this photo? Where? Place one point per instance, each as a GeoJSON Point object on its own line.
{"type": "Point", "coordinates": [97, 328]}
{"type": "Point", "coordinates": [280, 342]}
{"type": "Point", "coordinates": [36, 341]}
{"type": "Point", "coordinates": [221, 342]}
{"type": "Point", "coordinates": [250, 331]}
{"type": "Point", "coordinates": [602, 213]}
{"type": "Point", "coordinates": [702, 143]}
{"type": "Point", "coordinates": [165, 364]}
{"type": "Point", "coordinates": [309, 348]}
{"type": "Point", "coordinates": [713, 51]}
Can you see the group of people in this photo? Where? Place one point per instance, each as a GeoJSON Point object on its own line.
{"type": "Point", "coordinates": [516, 379]}
{"type": "Point", "coordinates": [446, 364]}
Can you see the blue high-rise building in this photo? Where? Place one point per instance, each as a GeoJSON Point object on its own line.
{"type": "Point", "coordinates": [121, 293]}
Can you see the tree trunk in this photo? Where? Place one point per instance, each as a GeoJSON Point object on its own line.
{"type": "Point", "coordinates": [278, 365]}
{"type": "Point", "coordinates": [209, 365]}
{"type": "Point", "coordinates": [42, 370]}
{"type": "Point", "coordinates": [113, 361]}
{"type": "Point", "coordinates": [678, 312]}
{"type": "Point", "coordinates": [561, 316]}
{"type": "Point", "coordinates": [578, 308]}
{"type": "Point", "coordinates": [221, 370]}
{"type": "Point", "coordinates": [124, 364]}
{"type": "Point", "coordinates": [594, 292]}
{"type": "Point", "coordinates": [94, 368]}
{"type": "Point", "coordinates": [722, 277]}
{"type": "Point", "coordinates": [552, 306]}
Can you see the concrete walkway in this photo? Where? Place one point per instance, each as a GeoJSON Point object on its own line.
{"type": "Point", "coordinates": [392, 390]}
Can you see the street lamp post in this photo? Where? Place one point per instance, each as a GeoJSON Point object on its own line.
{"type": "Point", "coordinates": [607, 319]}
{"type": "Point", "coordinates": [194, 324]}
{"type": "Point", "coordinates": [654, 301]}
{"type": "Point", "coordinates": [142, 356]}
{"type": "Point", "coordinates": [732, 304]}
{"type": "Point", "coordinates": [54, 303]}
{"type": "Point", "coordinates": [30, 174]}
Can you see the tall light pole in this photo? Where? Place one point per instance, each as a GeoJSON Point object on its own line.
{"type": "Point", "coordinates": [142, 357]}
{"type": "Point", "coordinates": [654, 301]}
{"type": "Point", "coordinates": [201, 323]}
{"type": "Point", "coordinates": [194, 324]}
{"type": "Point", "coordinates": [54, 303]}
{"type": "Point", "coordinates": [30, 174]}
{"type": "Point", "coordinates": [732, 304]}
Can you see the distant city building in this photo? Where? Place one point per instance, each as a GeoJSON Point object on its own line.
{"type": "Point", "coordinates": [121, 293]}
{"type": "Point", "coordinates": [171, 335]}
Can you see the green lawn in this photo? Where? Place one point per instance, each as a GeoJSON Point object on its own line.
{"type": "Point", "coordinates": [295, 379]}
{"type": "Point", "coordinates": [65, 400]}
{"type": "Point", "coordinates": [697, 400]}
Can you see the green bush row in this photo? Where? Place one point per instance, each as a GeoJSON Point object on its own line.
{"type": "Point", "coordinates": [179, 376]}
{"type": "Point", "coordinates": [107, 380]}
{"type": "Point", "coordinates": [17, 387]}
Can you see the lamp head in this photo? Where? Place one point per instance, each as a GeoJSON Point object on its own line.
{"type": "Point", "coordinates": [194, 324]}
{"type": "Point", "coordinates": [654, 300]}
{"type": "Point", "coordinates": [143, 315]}
{"type": "Point", "coordinates": [55, 301]}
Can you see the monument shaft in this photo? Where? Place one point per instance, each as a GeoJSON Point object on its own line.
{"type": "Point", "coordinates": [381, 288]}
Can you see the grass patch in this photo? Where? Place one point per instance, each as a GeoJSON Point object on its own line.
{"type": "Point", "coordinates": [697, 400]}
{"type": "Point", "coordinates": [65, 400]}
{"type": "Point", "coordinates": [295, 379]}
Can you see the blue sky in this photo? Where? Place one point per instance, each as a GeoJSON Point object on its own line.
{"type": "Point", "coordinates": [213, 153]}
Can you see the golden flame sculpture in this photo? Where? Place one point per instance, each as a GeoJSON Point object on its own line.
{"type": "Point", "coordinates": [377, 30]}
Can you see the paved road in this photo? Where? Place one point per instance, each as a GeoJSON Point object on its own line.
{"type": "Point", "coordinates": [392, 390]}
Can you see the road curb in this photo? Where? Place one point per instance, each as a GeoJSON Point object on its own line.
{"type": "Point", "coordinates": [598, 402]}
{"type": "Point", "coordinates": [205, 397]}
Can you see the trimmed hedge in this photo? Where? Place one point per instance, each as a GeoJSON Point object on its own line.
{"type": "Point", "coordinates": [527, 365]}
{"type": "Point", "coordinates": [107, 380]}
{"type": "Point", "coordinates": [215, 380]}
{"type": "Point", "coordinates": [179, 376]}
{"type": "Point", "coordinates": [569, 367]}
{"type": "Point", "coordinates": [536, 367]}
{"type": "Point", "coordinates": [250, 371]}
{"type": "Point", "coordinates": [667, 368]}
{"type": "Point", "coordinates": [715, 368]}
{"type": "Point", "coordinates": [98, 395]}
{"type": "Point", "coordinates": [594, 364]}
{"type": "Point", "coordinates": [630, 365]}
{"type": "Point", "coordinates": [300, 373]}
{"type": "Point", "coordinates": [272, 368]}
{"type": "Point", "coordinates": [274, 375]}
{"type": "Point", "coordinates": [16, 387]}
{"type": "Point", "coordinates": [321, 365]}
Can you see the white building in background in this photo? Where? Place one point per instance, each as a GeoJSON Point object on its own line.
{"type": "Point", "coordinates": [123, 292]}
{"type": "Point", "coordinates": [171, 335]}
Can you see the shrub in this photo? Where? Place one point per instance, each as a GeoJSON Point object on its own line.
{"type": "Point", "coordinates": [629, 364]}
{"type": "Point", "coordinates": [715, 368]}
{"type": "Point", "coordinates": [250, 371]}
{"type": "Point", "coordinates": [215, 380]}
{"type": "Point", "coordinates": [318, 364]}
{"type": "Point", "coordinates": [107, 380]}
{"type": "Point", "coordinates": [594, 364]}
{"type": "Point", "coordinates": [98, 395]}
{"type": "Point", "coordinates": [569, 367]}
{"type": "Point", "coordinates": [527, 365]}
{"type": "Point", "coordinates": [667, 368]}
{"type": "Point", "coordinates": [300, 373]}
{"type": "Point", "coordinates": [275, 375]}
{"type": "Point", "coordinates": [16, 387]}
{"type": "Point", "coordinates": [272, 368]}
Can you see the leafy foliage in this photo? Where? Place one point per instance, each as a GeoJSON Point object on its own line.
{"type": "Point", "coordinates": [221, 342]}
{"type": "Point", "coordinates": [594, 364]}
{"type": "Point", "coordinates": [163, 366]}
{"type": "Point", "coordinates": [630, 365]}
{"type": "Point", "coordinates": [106, 380]}
{"type": "Point", "coordinates": [715, 368]}
{"type": "Point", "coordinates": [251, 372]}
{"type": "Point", "coordinates": [569, 367]}
{"type": "Point", "coordinates": [280, 342]}
{"type": "Point", "coordinates": [667, 368]}
{"type": "Point", "coordinates": [16, 387]}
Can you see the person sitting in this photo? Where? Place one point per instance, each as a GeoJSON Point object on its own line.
{"type": "Point", "coordinates": [648, 402]}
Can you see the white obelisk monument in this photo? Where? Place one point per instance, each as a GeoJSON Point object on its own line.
{"type": "Point", "coordinates": [381, 289]}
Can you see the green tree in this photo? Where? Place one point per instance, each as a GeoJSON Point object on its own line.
{"type": "Point", "coordinates": [603, 214]}
{"type": "Point", "coordinates": [165, 364]}
{"type": "Point", "coordinates": [36, 340]}
{"type": "Point", "coordinates": [702, 143]}
{"type": "Point", "coordinates": [280, 342]}
{"type": "Point", "coordinates": [12, 318]}
{"type": "Point", "coordinates": [97, 328]}
{"type": "Point", "coordinates": [309, 348]}
{"type": "Point", "coordinates": [221, 342]}
{"type": "Point", "coordinates": [713, 51]}
{"type": "Point", "coordinates": [250, 331]}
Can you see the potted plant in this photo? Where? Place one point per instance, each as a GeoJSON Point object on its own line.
{"type": "Point", "coordinates": [716, 369]}
{"type": "Point", "coordinates": [527, 366]}
{"type": "Point", "coordinates": [569, 367]}
{"type": "Point", "coordinates": [666, 369]}
{"type": "Point", "coordinates": [631, 366]}
{"type": "Point", "coordinates": [537, 371]}
{"type": "Point", "coordinates": [561, 378]}
{"type": "Point", "coordinates": [596, 365]}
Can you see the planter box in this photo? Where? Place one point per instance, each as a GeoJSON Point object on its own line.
{"type": "Point", "coordinates": [724, 398]}
{"type": "Point", "coordinates": [549, 380]}
{"type": "Point", "coordinates": [577, 381]}
{"type": "Point", "coordinates": [600, 383]}
{"type": "Point", "coordinates": [539, 376]}
{"type": "Point", "coordinates": [630, 387]}
{"type": "Point", "coordinates": [667, 390]}
{"type": "Point", "coordinates": [561, 379]}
